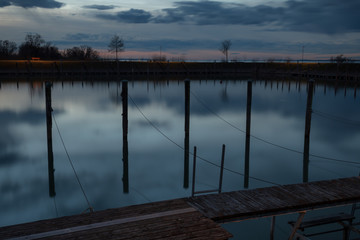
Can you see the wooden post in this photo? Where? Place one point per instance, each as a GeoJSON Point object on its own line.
{"type": "Point", "coordinates": [297, 224]}
{"type": "Point", "coordinates": [355, 91]}
{"type": "Point", "coordinates": [272, 228]}
{"type": "Point", "coordinates": [247, 142]}
{"type": "Point", "coordinates": [222, 168]}
{"type": "Point", "coordinates": [124, 96]}
{"type": "Point", "coordinates": [49, 110]}
{"type": "Point", "coordinates": [307, 131]}
{"type": "Point", "coordinates": [187, 133]}
{"type": "Point", "coordinates": [194, 172]}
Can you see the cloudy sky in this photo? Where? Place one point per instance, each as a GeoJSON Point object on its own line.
{"type": "Point", "coordinates": [192, 30]}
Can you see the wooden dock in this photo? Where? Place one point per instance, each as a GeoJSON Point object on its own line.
{"type": "Point", "coordinates": [272, 201]}
{"type": "Point", "coordinates": [173, 219]}
{"type": "Point", "coordinates": [192, 218]}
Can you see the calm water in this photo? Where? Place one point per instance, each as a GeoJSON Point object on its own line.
{"type": "Point", "coordinates": [89, 118]}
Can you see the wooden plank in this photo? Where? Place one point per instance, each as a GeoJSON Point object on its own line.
{"type": "Point", "coordinates": [89, 218]}
{"type": "Point", "coordinates": [170, 227]}
{"type": "Point", "coordinates": [104, 224]}
{"type": "Point", "coordinates": [278, 200]}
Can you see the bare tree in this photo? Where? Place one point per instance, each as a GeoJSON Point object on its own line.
{"type": "Point", "coordinates": [225, 47]}
{"type": "Point", "coordinates": [36, 46]}
{"type": "Point", "coordinates": [81, 53]}
{"type": "Point", "coordinates": [116, 45]}
{"type": "Point", "coordinates": [7, 49]}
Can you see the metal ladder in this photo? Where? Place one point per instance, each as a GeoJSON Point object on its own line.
{"type": "Point", "coordinates": [193, 192]}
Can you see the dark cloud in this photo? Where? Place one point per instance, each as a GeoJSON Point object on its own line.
{"type": "Point", "coordinates": [326, 16]}
{"type": "Point", "coordinates": [100, 7]}
{"type": "Point", "coordinates": [134, 16]}
{"type": "Point", "coordinates": [4, 3]}
{"type": "Point", "coordinates": [83, 36]}
{"type": "Point", "coordinates": [323, 16]}
{"type": "Point", "coordinates": [32, 3]}
{"type": "Point", "coordinates": [130, 16]}
{"type": "Point", "coordinates": [214, 12]}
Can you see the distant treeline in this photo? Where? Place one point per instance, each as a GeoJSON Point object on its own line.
{"type": "Point", "coordinates": [36, 47]}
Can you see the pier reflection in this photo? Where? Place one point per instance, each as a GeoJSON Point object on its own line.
{"type": "Point", "coordinates": [247, 141]}
{"type": "Point", "coordinates": [307, 131]}
{"type": "Point", "coordinates": [49, 110]}
{"type": "Point", "coordinates": [124, 97]}
{"type": "Point", "coordinates": [187, 133]}
{"type": "Point", "coordinates": [248, 135]}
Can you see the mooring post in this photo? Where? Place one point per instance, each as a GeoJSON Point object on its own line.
{"type": "Point", "coordinates": [49, 110]}
{"type": "Point", "coordinates": [194, 172]}
{"type": "Point", "coordinates": [124, 97]}
{"type": "Point", "coordinates": [187, 133]}
{"type": "Point", "coordinates": [297, 224]}
{"type": "Point", "coordinates": [247, 142]}
{"type": "Point", "coordinates": [222, 168]}
{"type": "Point", "coordinates": [272, 228]}
{"type": "Point", "coordinates": [307, 131]}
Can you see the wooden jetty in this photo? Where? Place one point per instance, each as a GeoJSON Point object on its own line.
{"type": "Point", "coordinates": [173, 219]}
{"type": "Point", "coordinates": [194, 217]}
{"type": "Point", "coordinates": [271, 201]}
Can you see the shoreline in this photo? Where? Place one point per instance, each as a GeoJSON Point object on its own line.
{"type": "Point", "coordinates": [177, 70]}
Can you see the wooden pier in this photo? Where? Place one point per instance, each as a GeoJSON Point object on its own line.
{"type": "Point", "coordinates": [194, 217]}
{"type": "Point", "coordinates": [272, 201]}
{"type": "Point", "coordinates": [173, 219]}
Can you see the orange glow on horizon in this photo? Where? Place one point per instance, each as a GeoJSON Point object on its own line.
{"type": "Point", "coordinates": [216, 55]}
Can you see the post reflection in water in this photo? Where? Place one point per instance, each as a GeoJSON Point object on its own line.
{"type": "Point", "coordinates": [187, 133]}
{"type": "Point", "coordinates": [49, 110]}
{"type": "Point", "coordinates": [247, 141]}
{"type": "Point", "coordinates": [124, 96]}
{"type": "Point", "coordinates": [307, 131]}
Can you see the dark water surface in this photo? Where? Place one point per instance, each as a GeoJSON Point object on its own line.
{"type": "Point", "coordinates": [89, 118]}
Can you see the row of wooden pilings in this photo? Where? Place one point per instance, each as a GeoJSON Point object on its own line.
{"type": "Point", "coordinates": [125, 157]}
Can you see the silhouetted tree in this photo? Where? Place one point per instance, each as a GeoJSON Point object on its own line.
{"type": "Point", "coordinates": [35, 46]}
{"type": "Point", "coordinates": [50, 51]}
{"type": "Point", "coordinates": [7, 49]}
{"type": "Point", "coordinates": [116, 45]}
{"type": "Point", "coordinates": [32, 46]}
{"type": "Point", "coordinates": [81, 53]}
{"type": "Point", "coordinates": [225, 47]}
{"type": "Point", "coordinates": [340, 59]}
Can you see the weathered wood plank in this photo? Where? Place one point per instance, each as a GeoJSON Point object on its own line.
{"type": "Point", "coordinates": [278, 200]}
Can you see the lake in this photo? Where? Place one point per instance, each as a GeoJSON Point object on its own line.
{"type": "Point", "coordinates": [87, 141]}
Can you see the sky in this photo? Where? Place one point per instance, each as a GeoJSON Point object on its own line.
{"type": "Point", "coordinates": [192, 30]}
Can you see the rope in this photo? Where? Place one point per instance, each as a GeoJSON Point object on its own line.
{"type": "Point", "coordinates": [56, 209]}
{"type": "Point", "coordinates": [240, 130]}
{"type": "Point", "coordinates": [153, 125]}
{"type": "Point", "coordinates": [72, 166]}
{"type": "Point", "coordinates": [327, 170]}
{"type": "Point", "coordinates": [142, 195]}
{"type": "Point", "coordinates": [336, 118]}
{"type": "Point", "coordinates": [201, 158]}
{"type": "Point", "coordinates": [274, 144]}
